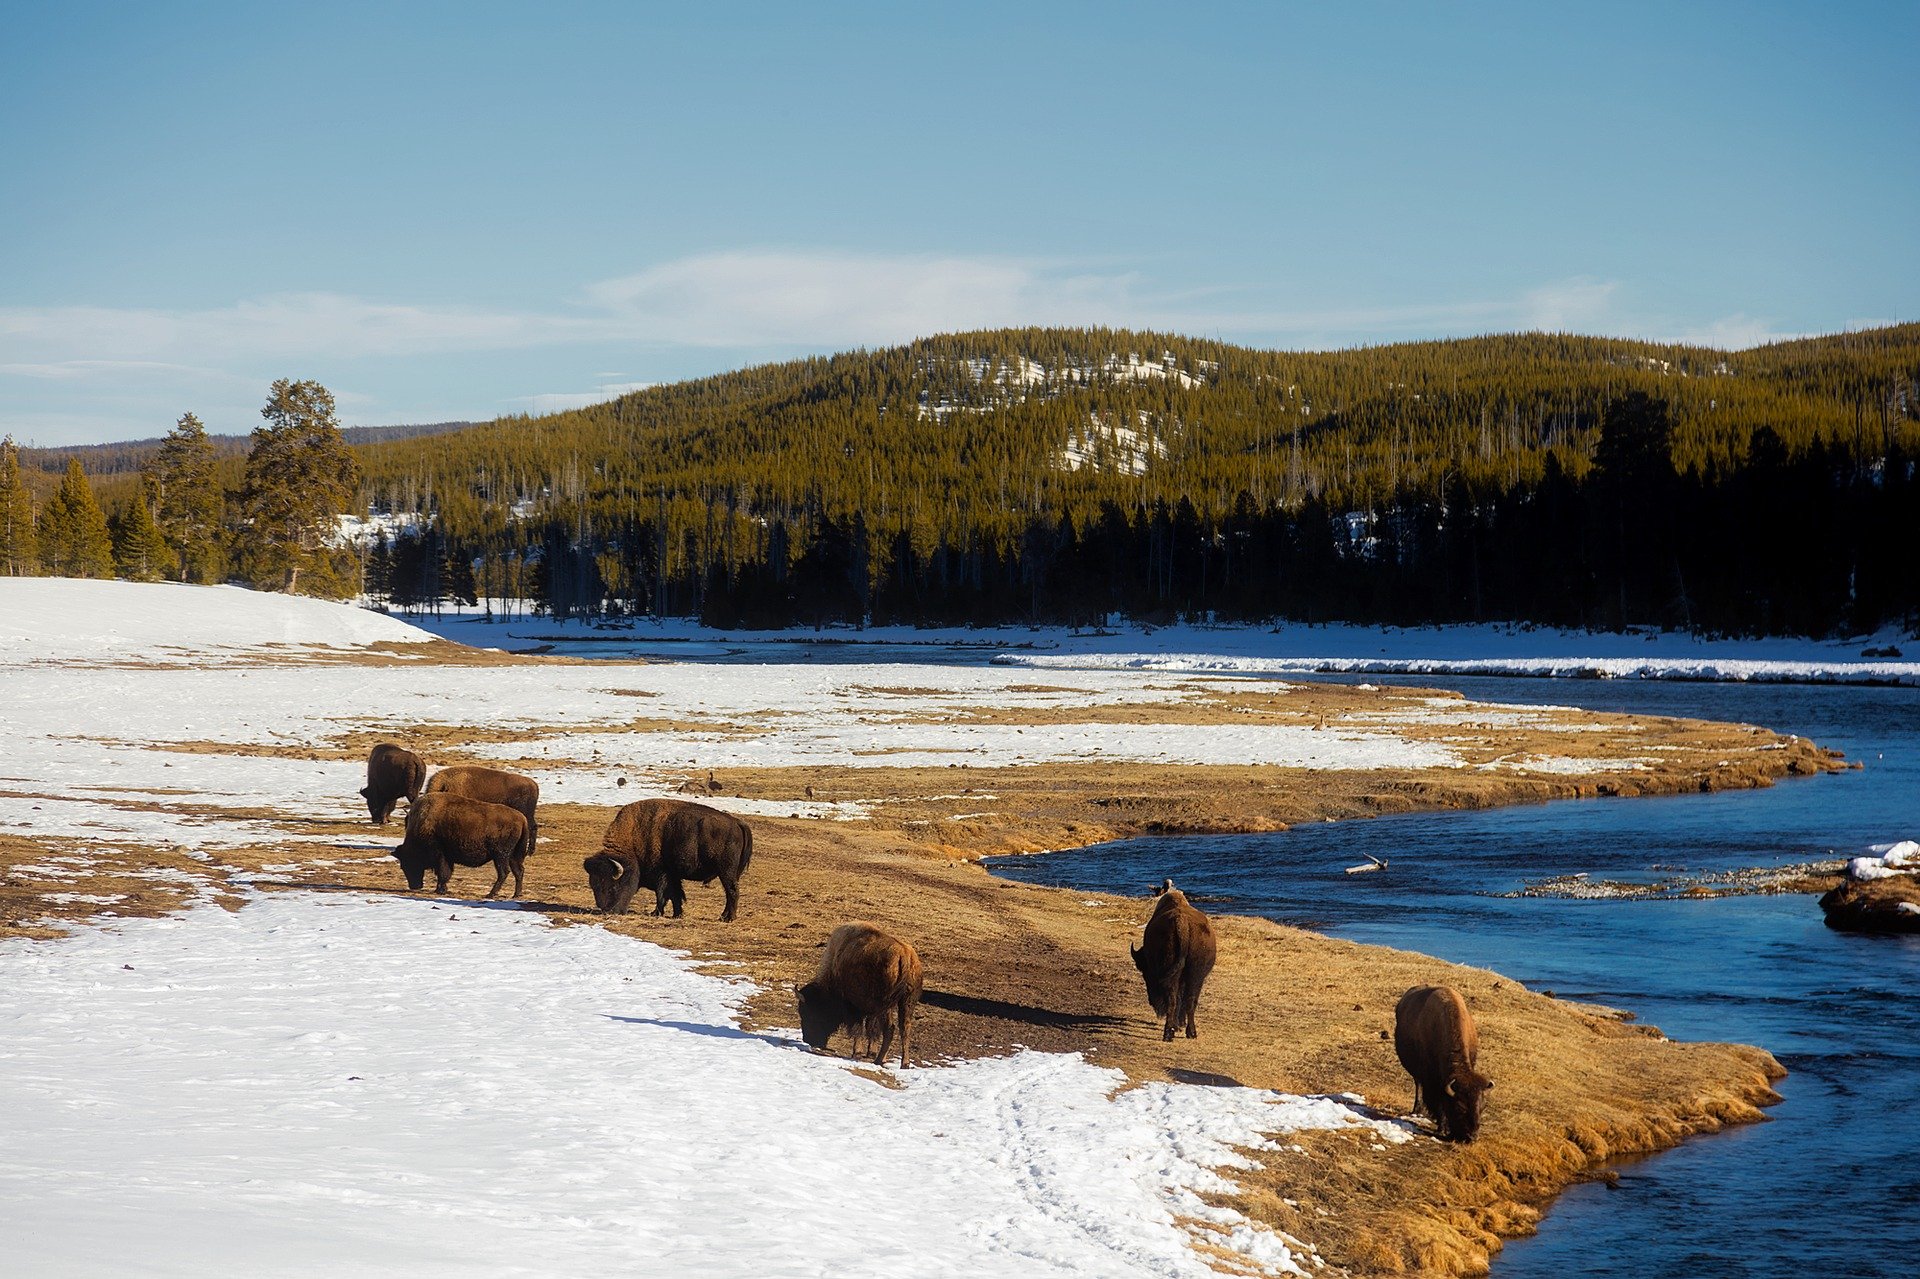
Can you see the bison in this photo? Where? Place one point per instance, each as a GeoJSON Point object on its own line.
{"type": "Point", "coordinates": [1434, 1036]}
{"type": "Point", "coordinates": [1174, 958]}
{"type": "Point", "coordinates": [659, 844]}
{"type": "Point", "coordinates": [865, 975]}
{"type": "Point", "coordinates": [393, 774]}
{"type": "Point", "coordinates": [493, 786]}
{"type": "Point", "coordinates": [446, 830]}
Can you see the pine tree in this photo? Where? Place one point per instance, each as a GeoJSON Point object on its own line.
{"type": "Point", "coordinates": [300, 477]}
{"type": "Point", "coordinates": [73, 531]}
{"type": "Point", "coordinates": [140, 551]}
{"type": "Point", "coordinates": [19, 548]}
{"type": "Point", "coordinates": [187, 501]}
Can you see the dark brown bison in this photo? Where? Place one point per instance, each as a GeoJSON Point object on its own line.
{"type": "Point", "coordinates": [446, 830]}
{"type": "Point", "coordinates": [393, 774]}
{"type": "Point", "coordinates": [493, 786]}
{"type": "Point", "coordinates": [661, 843]}
{"type": "Point", "coordinates": [865, 975]}
{"type": "Point", "coordinates": [1174, 957]}
{"type": "Point", "coordinates": [1433, 1034]}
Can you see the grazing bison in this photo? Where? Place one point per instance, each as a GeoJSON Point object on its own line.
{"type": "Point", "coordinates": [1174, 958]}
{"type": "Point", "coordinates": [659, 844]}
{"type": "Point", "coordinates": [446, 830]}
{"type": "Point", "coordinates": [393, 774]}
{"type": "Point", "coordinates": [865, 975]}
{"type": "Point", "coordinates": [1433, 1034]}
{"type": "Point", "coordinates": [493, 786]}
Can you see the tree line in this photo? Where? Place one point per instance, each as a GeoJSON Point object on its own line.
{"type": "Point", "coordinates": [278, 529]}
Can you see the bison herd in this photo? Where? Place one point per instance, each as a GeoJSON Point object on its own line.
{"type": "Point", "coordinates": [869, 980]}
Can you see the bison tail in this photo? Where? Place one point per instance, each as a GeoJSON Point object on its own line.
{"type": "Point", "coordinates": [746, 845]}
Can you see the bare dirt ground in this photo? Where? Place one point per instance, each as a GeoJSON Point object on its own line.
{"type": "Point", "coordinates": [1015, 965]}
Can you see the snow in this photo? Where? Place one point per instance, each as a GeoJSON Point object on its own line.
{"type": "Point", "coordinates": [98, 679]}
{"type": "Point", "coordinates": [1488, 649]}
{"type": "Point", "coordinates": [339, 1083]}
{"type": "Point", "coordinates": [53, 619]}
{"type": "Point", "coordinates": [1885, 861]}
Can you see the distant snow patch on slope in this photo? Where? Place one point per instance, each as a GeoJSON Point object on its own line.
{"type": "Point", "coordinates": [343, 1084]}
{"type": "Point", "coordinates": [70, 620]}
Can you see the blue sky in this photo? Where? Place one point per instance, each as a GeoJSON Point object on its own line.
{"type": "Point", "coordinates": [463, 210]}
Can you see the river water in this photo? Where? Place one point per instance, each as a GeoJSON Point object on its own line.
{"type": "Point", "coordinates": [1831, 1185]}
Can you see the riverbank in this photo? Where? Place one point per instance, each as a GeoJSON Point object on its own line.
{"type": "Point", "coordinates": [135, 789]}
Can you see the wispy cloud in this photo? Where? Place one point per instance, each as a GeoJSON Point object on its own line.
{"type": "Point", "coordinates": [558, 401]}
{"type": "Point", "coordinates": [748, 299]}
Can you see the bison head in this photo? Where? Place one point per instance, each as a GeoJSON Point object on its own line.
{"type": "Point", "coordinates": [378, 809]}
{"type": "Point", "coordinates": [821, 1013]}
{"type": "Point", "coordinates": [1159, 987]}
{"type": "Point", "coordinates": [614, 882]}
{"type": "Point", "coordinates": [413, 864]}
{"type": "Point", "coordinates": [1459, 1110]}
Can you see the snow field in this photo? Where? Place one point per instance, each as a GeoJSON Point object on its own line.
{"type": "Point", "coordinates": [355, 1085]}
{"type": "Point", "coordinates": [74, 620]}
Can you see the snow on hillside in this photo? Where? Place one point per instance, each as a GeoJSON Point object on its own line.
{"type": "Point", "coordinates": [345, 1084]}
{"type": "Point", "coordinates": [77, 620]}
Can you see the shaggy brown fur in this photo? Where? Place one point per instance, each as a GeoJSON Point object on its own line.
{"type": "Point", "coordinates": [493, 786]}
{"type": "Point", "coordinates": [393, 774]}
{"type": "Point", "coordinates": [1435, 1039]}
{"type": "Point", "coordinates": [1174, 957]}
{"type": "Point", "coordinates": [446, 830]}
{"type": "Point", "coordinates": [659, 844]}
{"type": "Point", "coordinates": [864, 975]}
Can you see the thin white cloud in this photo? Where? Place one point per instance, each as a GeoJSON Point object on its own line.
{"type": "Point", "coordinates": [747, 299]}
{"type": "Point", "coordinates": [559, 401]}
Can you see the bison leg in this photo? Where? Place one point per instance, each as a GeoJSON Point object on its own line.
{"type": "Point", "coordinates": [906, 1024]}
{"type": "Point", "coordinates": [443, 875]}
{"type": "Point", "coordinates": [499, 876]}
{"type": "Point", "coordinates": [519, 864]}
{"type": "Point", "coordinates": [1176, 999]}
{"type": "Point", "coordinates": [660, 898]}
{"type": "Point", "coordinates": [731, 887]}
{"type": "Point", "coordinates": [886, 1036]}
{"type": "Point", "coordinates": [679, 898]}
{"type": "Point", "coordinates": [1419, 1106]}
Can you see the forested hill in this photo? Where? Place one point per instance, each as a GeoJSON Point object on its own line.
{"type": "Point", "coordinates": [1059, 475]}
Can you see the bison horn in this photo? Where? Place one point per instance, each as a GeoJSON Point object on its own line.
{"type": "Point", "coordinates": [1453, 1087]}
{"type": "Point", "coordinates": [619, 867]}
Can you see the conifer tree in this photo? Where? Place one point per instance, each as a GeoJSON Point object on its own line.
{"type": "Point", "coordinates": [73, 531]}
{"type": "Point", "coordinates": [19, 548]}
{"type": "Point", "coordinates": [140, 552]}
{"type": "Point", "coordinates": [187, 501]}
{"type": "Point", "coordinates": [300, 476]}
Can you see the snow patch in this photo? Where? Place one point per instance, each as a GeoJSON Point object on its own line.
{"type": "Point", "coordinates": [277, 1091]}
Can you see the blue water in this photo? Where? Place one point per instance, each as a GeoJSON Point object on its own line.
{"type": "Point", "coordinates": [1832, 1184]}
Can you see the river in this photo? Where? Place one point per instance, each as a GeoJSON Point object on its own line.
{"type": "Point", "coordinates": [1832, 1183]}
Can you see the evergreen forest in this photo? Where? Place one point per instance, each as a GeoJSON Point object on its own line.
{"type": "Point", "coordinates": [1053, 476]}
